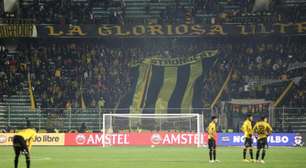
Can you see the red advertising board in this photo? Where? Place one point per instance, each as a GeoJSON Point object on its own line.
{"type": "Point", "coordinates": [134, 139]}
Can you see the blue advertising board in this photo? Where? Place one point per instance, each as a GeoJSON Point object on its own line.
{"type": "Point", "coordinates": [276, 139]}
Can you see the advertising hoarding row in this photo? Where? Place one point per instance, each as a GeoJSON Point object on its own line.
{"type": "Point", "coordinates": [135, 139]}
{"type": "Point", "coordinates": [150, 138]}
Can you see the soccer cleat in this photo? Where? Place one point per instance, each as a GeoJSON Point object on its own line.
{"type": "Point", "coordinates": [211, 161]}
{"type": "Point", "coordinates": [257, 161]}
{"type": "Point", "coordinates": [246, 160]}
{"type": "Point", "coordinates": [262, 161]}
{"type": "Point", "coordinates": [252, 160]}
{"type": "Point", "coordinates": [217, 161]}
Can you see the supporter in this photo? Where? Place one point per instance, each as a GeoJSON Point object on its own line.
{"type": "Point", "coordinates": [65, 73]}
{"type": "Point", "coordinates": [83, 12]}
{"type": "Point", "coordinates": [83, 128]}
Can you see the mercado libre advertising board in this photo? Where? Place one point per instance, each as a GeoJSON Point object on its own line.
{"type": "Point", "coordinates": [40, 139]}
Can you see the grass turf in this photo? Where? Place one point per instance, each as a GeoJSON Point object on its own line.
{"type": "Point", "coordinates": [145, 157]}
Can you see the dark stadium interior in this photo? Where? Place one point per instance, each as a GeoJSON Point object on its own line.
{"type": "Point", "coordinates": [89, 75]}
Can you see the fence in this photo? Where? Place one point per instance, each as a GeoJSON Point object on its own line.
{"type": "Point", "coordinates": [285, 119]}
{"type": "Point", "coordinates": [72, 119]}
{"type": "Point", "coordinates": [282, 119]}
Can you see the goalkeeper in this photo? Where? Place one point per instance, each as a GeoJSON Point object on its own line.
{"type": "Point", "coordinates": [22, 143]}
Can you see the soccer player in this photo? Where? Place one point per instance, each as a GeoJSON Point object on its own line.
{"type": "Point", "coordinates": [212, 131]}
{"type": "Point", "coordinates": [22, 143]}
{"type": "Point", "coordinates": [248, 142]}
{"type": "Point", "coordinates": [263, 129]}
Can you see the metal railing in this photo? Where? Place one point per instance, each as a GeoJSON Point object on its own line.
{"type": "Point", "coordinates": [71, 119]}
{"type": "Point", "coordinates": [282, 119]}
{"type": "Point", "coordinates": [285, 119]}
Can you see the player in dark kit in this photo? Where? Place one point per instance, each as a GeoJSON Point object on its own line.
{"type": "Point", "coordinates": [22, 143]}
{"type": "Point", "coordinates": [247, 129]}
{"type": "Point", "coordinates": [212, 131]}
{"type": "Point", "coordinates": [262, 129]}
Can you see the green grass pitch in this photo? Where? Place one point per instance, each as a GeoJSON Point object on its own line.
{"type": "Point", "coordinates": [145, 157]}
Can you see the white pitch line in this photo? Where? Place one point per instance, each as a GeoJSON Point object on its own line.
{"type": "Point", "coordinates": [40, 158]}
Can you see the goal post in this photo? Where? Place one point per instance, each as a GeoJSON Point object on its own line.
{"type": "Point", "coordinates": [183, 123]}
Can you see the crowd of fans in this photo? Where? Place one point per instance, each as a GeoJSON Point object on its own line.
{"type": "Point", "coordinates": [261, 70]}
{"type": "Point", "coordinates": [96, 73]}
{"type": "Point", "coordinates": [64, 74]}
{"type": "Point", "coordinates": [83, 12]}
{"type": "Point", "coordinates": [57, 12]}
{"type": "Point", "coordinates": [71, 74]}
{"type": "Point", "coordinates": [12, 72]}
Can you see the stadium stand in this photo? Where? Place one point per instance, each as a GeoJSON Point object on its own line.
{"type": "Point", "coordinates": [262, 63]}
{"type": "Point", "coordinates": [167, 11]}
{"type": "Point", "coordinates": [69, 74]}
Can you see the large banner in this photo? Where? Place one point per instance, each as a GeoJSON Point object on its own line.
{"type": "Point", "coordinates": [276, 139]}
{"type": "Point", "coordinates": [40, 139]}
{"type": "Point", "coordinates": [135, 139]}
{"type": "Point", "coordinates": [169, 30]}
{"type": "Point", "coordinates": [149, 30]}
{"type": "Point", "coordinates": [168, 83]}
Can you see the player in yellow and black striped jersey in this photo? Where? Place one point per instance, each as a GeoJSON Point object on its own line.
{"type": "Point", "coordinates": [212, 132]}
{"type": "Point", "coordinates": [22, 143]}
{"type": "Point", "coordinates": [247, 129]}
{"type": "Point", "coordinates": [262, 129]}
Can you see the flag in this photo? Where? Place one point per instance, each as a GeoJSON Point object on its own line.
{"type": "Point", "coordinates": [83, 105]}
{"type": "Point", "coordinates": [172, 85]}
{"type": "Point", "coordinates": [31, 95]}
{"type": "Point", "coordinates": [82, 101]}
{"type": "Point", "coordinates": [261, 5]}
{"type": "Point", "coordinates": [10, 5]}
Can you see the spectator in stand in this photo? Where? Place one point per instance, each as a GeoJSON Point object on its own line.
{"type": "Point", "coordinates": [61, 72]}
{"type": "Point", "coordinates": [83, 128]}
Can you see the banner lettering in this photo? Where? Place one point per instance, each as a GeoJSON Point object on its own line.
{"type": "Point", "coordinates": [170, 30]}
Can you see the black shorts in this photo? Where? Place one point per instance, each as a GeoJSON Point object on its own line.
{"type": "Point", "coordinates": [19, 145]}
{"type": "Point", "coordinates": [262, 143]}
{"type": "Point", "coordinates": [211, 144]}
{"type": "Point", "coordinates": [248, 142]}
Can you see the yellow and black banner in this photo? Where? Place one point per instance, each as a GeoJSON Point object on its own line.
{"type": "Point", "coordinates": [150, 30]}
{"type": "Point", "coordinates": [170, 30]}
{"type": "Point", "coordinates": [162, 85]}
{"type": "Point", "coordinates": [31, 94]}
{"type": "Point", "coordinates": [17, 30]}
